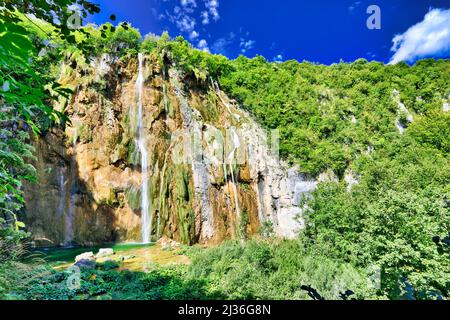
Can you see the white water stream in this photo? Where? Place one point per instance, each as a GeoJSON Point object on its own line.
{"type": "Point", "coordinates": [236, 145]}
{"type": "Point", "coordinates": [70, 217]}
{"type": "Point", "coordinates": [142, 147]}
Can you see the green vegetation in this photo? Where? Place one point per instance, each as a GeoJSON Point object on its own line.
{"type": "Point", "coordinates": [341, 117]}
{"type": "Point", "coordinates": [27, 91]}
{"type": "Point", "coordinates": [102, 283]}
{"type": "Point", "coordinates": [253, 270]}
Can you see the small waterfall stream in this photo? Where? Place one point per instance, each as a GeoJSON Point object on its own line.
{"type": "Point", "coordinates": [62, 191]}
{"type": "Point", "coordinates": [236, 145]}
{"type": "Point", "coordinates": [200, 175]}
{"type": "Point", "coordinates": [142, 147]}
{"type": "Point", "coordinates": [226, 104]}
{"type": "Point", "coordinates": [70, 217]}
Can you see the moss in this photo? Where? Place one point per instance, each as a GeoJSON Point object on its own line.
{"type": "Point", "coordinates": [266, 230]}
{"type": "Point", "coordinates": [120, 153]}
{"type": "Point", "coordinates": [208, 109]}
{"type": "Point", "coordinates": [183, 195]}
{"type": "Point", "coordinates": [168, 106]}
{"type": "Point", "coordinates": [244, 185]}
{"type": "Point", "coordinates": [244, 220]}
{"type": "Point", "coordinates": [133, 158]}
{"type": "Point", "coordinates": [133, 198]}
{"type": "Point", "coordinates": [85, 133]}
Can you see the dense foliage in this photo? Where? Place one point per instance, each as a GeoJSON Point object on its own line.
{"type": "Point", "coordinates": [34, 37]}
{"type": "Point", "coordinates": [383, 126]}
{"type": "Point", "coordinates": [254, 270]}
{"type": "Point", "coordinates": [102, 283]}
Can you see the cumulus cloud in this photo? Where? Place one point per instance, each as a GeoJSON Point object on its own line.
{"type": "Point", "coordinates": [187, 14]}
{"type": "Point", "coordinates": [246, 45]}
{"type": "Point", "coordinates": [203, 45]}
{"type": "Point", "coordinates": [183, 16]}
{"type": "Point", "coordinates": [278, 58]}
{"type": "Point", "coordinates": [193, 35]}
{"type": "Point", "coordinates": [221, 44]}
{"type": "Point", "coordinates": [205, 17]}
{"type": "Point", "coordinates": [189, 3]}
{"type": "Point", "coordinates": [211, 10]}
{"type": "Point", "coordinates": [185, 24]}
{"type": "Point", "coordinates": [430, 37]}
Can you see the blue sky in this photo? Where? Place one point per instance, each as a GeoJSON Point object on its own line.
{"type": "Point", "coordinates": [318, 31]}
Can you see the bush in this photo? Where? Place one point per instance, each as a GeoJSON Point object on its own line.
{"type": "Point", "coordinates": [275, 270]}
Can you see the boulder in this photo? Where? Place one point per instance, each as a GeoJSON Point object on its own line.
{"type": "Point", "coordinates": [84, 256]}
{"type": "Point", "coordinates": [86, 264]}
{"type": "Point", "coordinates": [167, 243]}
{"type": "Point", "coordinates": [104, 253]}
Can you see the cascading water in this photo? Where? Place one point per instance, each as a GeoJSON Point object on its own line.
{"type": "Point", "coordinates": [142, 147]}
{"type": "Point", "coordinates": [165, 98]}
{"type": "Point", "coordinates": [236, 145]}
{"type": "Point", "coordinates": [200, 175]}
{"type": "Point", "coordinates": [70, 217]}
{"type": "Point", "coordinates": [226, 104]}
{"type": "Point", "coordinates": [62, 192]}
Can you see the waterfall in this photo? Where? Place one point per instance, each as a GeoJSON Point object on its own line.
{"type": "Point", "coordinates": [226, 104]}
{"type": "Point", "coordinates": [70, 217]}
{"type": "Point", "coordinates": [200, 174]}
{"type": "Point", "coordinates": [142, 147]}
{"type": "Point", "coordinates": [62, 192]}
{"type": "Point", "coordinates": [236, 145]}
{"type": "Point", "coordinates": [165, 98]}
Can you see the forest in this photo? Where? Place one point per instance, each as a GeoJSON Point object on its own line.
{"type": "Point", "coordinates": [386, 236]}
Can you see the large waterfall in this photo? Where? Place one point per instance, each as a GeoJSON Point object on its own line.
{"type": "Point", "coordinates": [236, 146]}
{"type": "Point", "coordinates": [142, 147]}
{"type": "Point", "coordinates": [160, 155]}
{"type": "Point", "coordinates": [70, 217]}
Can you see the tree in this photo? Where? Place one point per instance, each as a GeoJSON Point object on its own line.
{"type": "Point", "coordinates": [26, 93]}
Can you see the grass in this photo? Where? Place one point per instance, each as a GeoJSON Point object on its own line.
{"type": "Point", "coordinates": [257, 269]}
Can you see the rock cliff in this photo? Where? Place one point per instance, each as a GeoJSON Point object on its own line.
{"type": "Point", "coordinates": [151, 152]}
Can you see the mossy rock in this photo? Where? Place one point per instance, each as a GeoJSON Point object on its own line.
{"type": "Point", "coordinates": [133, 198]}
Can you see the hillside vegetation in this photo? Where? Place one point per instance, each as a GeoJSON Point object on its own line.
{"type": "Point", "coordinates": [346, 117]}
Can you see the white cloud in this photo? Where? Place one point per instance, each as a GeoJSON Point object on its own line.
{"type": "Point", "coordinates": [220, 45]}
{"type": "Point", "coordinates": [213, 8]}
{"type": "Point", "coordinates": [354, 5]}
{"type": "Point", "coordinates": [205, 17]}
{"type": "Point", "coordinates": [187, 3]}
{"type": "Point", "coordinates": [203, 45]}
{"type": "Point", "coordinates": [193, 35]}
{"type": "Point", "coordinates": [246, 45]}
{"type": "Point", "coordinates": [185, 24]}
{"type": "Point", "coordinates": [278, 58]}
{"type": "Point", "coordinates": [186, 13]}
{"type": "Point", "coordinates": [182, 16]}
{"type": "Point", "coordinates": [212, 11]}
{"type": "Point", "coordinates": [430, 37]}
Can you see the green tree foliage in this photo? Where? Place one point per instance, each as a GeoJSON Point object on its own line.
{"type": "Point", "coordinates": [394, 231]}
{"type": "Point", "coordinates": [27, 90]}
{"type": "Point", "coordinates": [343, 117]}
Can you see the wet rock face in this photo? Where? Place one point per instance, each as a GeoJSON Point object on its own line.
{"type": "Point", "coordinates": [211, 172]}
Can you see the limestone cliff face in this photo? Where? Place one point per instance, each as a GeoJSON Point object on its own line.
{"type": "Point", "coordinates": [211, 174]}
